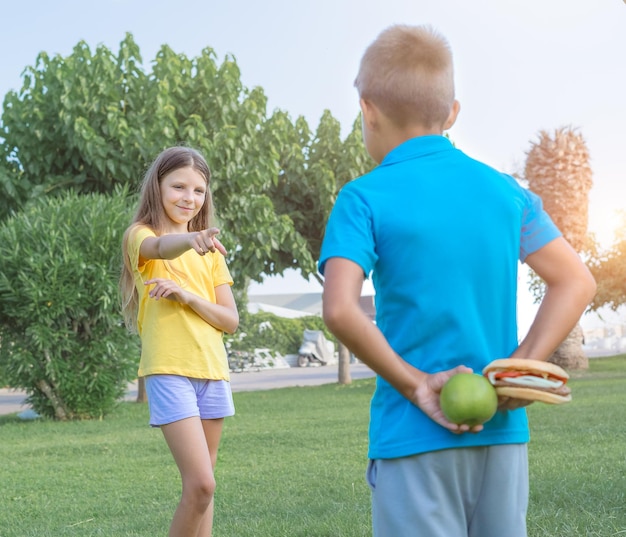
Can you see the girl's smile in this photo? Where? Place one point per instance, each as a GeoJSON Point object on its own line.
{"type": "Point", "coordinates": [183, 193]}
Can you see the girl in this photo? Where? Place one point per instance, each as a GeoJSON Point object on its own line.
{"type": "Point", "coordinates": [176, 294]}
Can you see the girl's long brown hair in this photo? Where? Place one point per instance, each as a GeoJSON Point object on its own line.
{"type": "Point", "coordinates": [150, 213]}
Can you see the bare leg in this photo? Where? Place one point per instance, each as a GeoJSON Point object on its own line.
{"type": "Point", "coordinates": [189, 444]}
{"type": "Point", "coordinates": [213, 433]}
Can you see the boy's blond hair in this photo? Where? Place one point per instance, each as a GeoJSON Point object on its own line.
{"type": "Point", "coordinates": [407, 73]}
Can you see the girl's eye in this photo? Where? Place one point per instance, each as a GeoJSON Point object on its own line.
{"type": "Point", "coordinates": [201, 192]}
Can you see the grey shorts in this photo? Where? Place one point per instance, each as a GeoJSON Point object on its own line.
{"type": "Point", "coordinates": [172, 398]}
{"type": "Point", "coordinates": [471, 492]}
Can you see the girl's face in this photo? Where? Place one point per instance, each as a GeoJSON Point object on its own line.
{"type": "Point", "coordinates": [183, 193]}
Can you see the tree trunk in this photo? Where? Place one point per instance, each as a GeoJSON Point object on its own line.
{"type": "Point", "coordinates": [60, 411]}
{"type": "Point", "coordinates": [344, 365]}
{"type": "Point", "coordinates": [142, 397]}
{"type": "Point", "coordinates": [570, 353]}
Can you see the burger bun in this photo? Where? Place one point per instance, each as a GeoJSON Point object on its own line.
{"type": "Point", "coordinates": [531, 392]}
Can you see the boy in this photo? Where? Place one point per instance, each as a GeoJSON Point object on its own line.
{"type": "Point", "coordinates": [442, 235]}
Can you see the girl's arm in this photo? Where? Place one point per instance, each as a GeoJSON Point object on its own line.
{"type": "Point", "coordinates": [176, 244]}
{"type": "Point", "coordinates": [223, 315]}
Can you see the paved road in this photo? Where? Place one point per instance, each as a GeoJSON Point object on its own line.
{"type": "Point", "coordinates": [12, 401]}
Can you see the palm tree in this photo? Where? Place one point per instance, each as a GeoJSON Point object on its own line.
{"type": "Point", "coordinates": [557, 169]}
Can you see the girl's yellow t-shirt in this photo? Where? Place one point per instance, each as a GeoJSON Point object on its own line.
{"type": "Point", "coordinates": [175, 340]}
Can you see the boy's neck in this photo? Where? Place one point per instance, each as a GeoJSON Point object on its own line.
{"type": "Point", "coordinates": [382, 134]}
{"type": "Point", "coordinates": [395, 136]}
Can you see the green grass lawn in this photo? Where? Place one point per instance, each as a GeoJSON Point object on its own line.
{"type": "Point", "coordinates": [292, 464]}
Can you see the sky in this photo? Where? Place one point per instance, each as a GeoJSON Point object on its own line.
{"type": "Point", "coordinates": [522, 66]}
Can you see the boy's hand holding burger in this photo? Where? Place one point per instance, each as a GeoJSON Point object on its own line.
{"type": "Point", "coordinates": [520, 381]}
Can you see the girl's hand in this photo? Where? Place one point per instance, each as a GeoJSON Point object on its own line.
{"type": "Point", "coordinates": [206, 241]}
{"type": "Point", "coordinates": [164, 288]}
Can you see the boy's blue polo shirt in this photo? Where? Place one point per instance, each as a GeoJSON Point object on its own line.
{"type": "Point", "coordinates": [441, 235]}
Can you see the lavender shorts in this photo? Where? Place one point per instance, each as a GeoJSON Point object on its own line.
{"type": "Point", "coordinates": [172, 398]}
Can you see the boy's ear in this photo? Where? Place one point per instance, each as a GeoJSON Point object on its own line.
{"type": "Point", "coordinates": [369, 112]}
{"type": "Point", "coordinates": [454, 112]}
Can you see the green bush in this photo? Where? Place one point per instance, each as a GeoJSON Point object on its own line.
{"type": "Point", "coordinates": [61, 333]}
{"type": "Point", "coordinates": [3, 378]}
{"type": "Point", "coordinates": [269, 331]}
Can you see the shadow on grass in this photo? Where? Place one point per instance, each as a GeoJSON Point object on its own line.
{"type": "Point", "coordinates": [11, 418]}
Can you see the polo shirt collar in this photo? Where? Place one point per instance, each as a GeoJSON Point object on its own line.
{"type": "Point", "coordinates": [417, 147]}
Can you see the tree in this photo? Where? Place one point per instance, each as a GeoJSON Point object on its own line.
{"type": "Point", "coordinates": [11, 192]}
{"type": "Point", "coordinates": [557, 169]}
{"type": "Point", "coordinates": [609, 270]}
{"type": "Point", "coordinates": [313, 169]}
{"type": "Point", "coordinates": [61, 339]}
{"type": "Point", "coordinates": [92, 121]}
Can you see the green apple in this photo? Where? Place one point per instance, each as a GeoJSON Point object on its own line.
{"type": "Point", "coordinates": [468, 398]}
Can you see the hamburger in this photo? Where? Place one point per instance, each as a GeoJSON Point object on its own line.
{"type": "Point", "coordinates": [532, 380]}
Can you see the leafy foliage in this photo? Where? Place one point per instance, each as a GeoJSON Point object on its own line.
{"type": "Point", "coordinates": [93, 121]}
{"type": "Point", "coordinates": [268, 331]}
{"type": "Point", "coordinates": [312, 170]}
{"type": "Point", "coordinates": [61, 337]}
{"type": "Point", "coordinates": [557, 169]}
{"type": "Point", "coordinates": [609, 270]}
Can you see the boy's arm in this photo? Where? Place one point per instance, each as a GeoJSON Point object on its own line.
{"type": "Point", "coordinates": [570, 288]}
{"type": "Point", "coordinates": [343, 280]}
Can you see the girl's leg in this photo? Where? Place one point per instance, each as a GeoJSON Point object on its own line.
{"type": "Point", "coordinates": [190, 448]}
{"type": "Point", "coordinates": [212, 433]}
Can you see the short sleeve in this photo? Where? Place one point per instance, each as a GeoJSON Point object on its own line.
{"type": "Point", "coordinates": [538, 229]}
{"type": "Point", "coordinates": [221, 274]}
{"type": "Point", "coordinates": [135, 238]}
{"type": "Point", "coordinates": [349, 232]}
